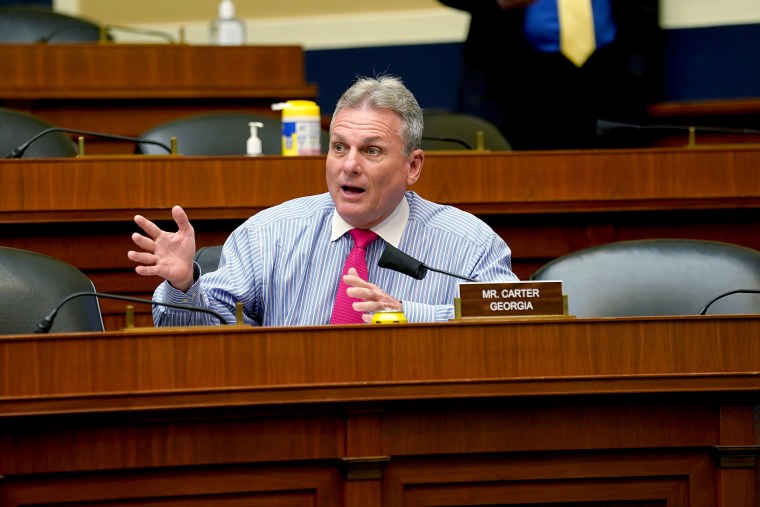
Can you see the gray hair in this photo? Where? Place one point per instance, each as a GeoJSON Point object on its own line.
{"type": "Point", "coordinates": [387, 92]}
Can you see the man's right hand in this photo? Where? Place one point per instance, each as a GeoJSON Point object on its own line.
{"type": "Point", "coordinates": [166, 254]}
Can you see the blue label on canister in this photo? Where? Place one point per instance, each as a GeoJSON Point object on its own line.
{"type": "Point", "coordinates": [301, 136]}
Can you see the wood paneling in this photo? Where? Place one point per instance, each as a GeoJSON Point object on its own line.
{"type": "Point", "coordinates": [544, 204]}
{"type": "Point", "coordinates": [717, 121]}
{"type": "Point", "coordinates": [126, 89]}
{"type": "Point", "coordinates": [561, 412]}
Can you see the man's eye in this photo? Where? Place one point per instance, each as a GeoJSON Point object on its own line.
{"type": "Point", "coordinates": [373, 150]}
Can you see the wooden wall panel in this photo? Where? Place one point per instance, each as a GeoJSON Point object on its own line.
{"type": "Point", "coordinates": [650, 480]}
{"type": "Point", "coordinates": [126, 89]}
{"type": "Point", "coordinates": [616, 412]}
{"type": "Point", "coordinates": [543, 204]}
{"type": "Point", "coordinates": [223, 486]}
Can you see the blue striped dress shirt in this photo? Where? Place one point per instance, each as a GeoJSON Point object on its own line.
{"type": "Point", "coordinates": [283, 267]}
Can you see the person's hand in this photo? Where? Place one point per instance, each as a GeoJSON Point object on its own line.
{"type": "Point", "coordinates": [374, 298]}
{"type": "Point", "coordinates": [166, 254]}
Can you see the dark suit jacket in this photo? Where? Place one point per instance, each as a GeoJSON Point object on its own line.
{"type": "Point", "coordinates": [542, 101]}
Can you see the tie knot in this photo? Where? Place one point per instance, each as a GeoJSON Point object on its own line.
{"type": "Point", "coordinates": [363, 237]}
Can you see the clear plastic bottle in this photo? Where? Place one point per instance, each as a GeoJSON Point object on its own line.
{"type": "Point", "coordinates": [227, 29]}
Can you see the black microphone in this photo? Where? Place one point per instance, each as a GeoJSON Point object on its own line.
{"type": "Point", "coordinates": [703, 311]}
{"type": "Point", "coordinates": [46, 323]}
{"type": "Point", "coordinates": [18, 152]}
{"type": "Point", "coordinates": [447, 140]}
{"type": "Point", "coordinates": [395, 259]}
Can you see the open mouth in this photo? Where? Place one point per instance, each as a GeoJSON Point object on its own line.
{"type": "Point", "coordinates": [351, 190]}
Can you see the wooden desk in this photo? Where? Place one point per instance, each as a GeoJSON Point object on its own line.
{"type": "Point", "coordinates": [126, 89]}
{"type": "Point", "coordinates": [608, 412]}
{"type": "Point", "coordinates": [544, 204]}
{"type": "Point", "coordinates": [738, 114]}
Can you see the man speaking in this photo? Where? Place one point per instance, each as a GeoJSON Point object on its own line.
{"type": "Point", "coordinates": [313, 260]}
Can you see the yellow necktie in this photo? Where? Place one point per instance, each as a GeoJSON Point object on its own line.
{"type": "Point", "coordinates": [576, 33]}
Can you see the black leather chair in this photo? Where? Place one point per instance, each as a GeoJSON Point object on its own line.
{"type": "Point", "coordinates": [656, 277]}
{"type": "Point", "coordinates": [33, 284]}
{"type": "Point", "coordinates": [29, 24]}
{"type": "Point", "coordinates": [218, 133]}
{"type": "Point", "coordinates": [207, 258]}
{"type": "Point", "coordinates": [18, 127]}
{"type": "Point", "coordinates": [446, 130]}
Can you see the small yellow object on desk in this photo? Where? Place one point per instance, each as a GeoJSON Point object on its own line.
{"type": "Point", "coordinates": [389, 317]}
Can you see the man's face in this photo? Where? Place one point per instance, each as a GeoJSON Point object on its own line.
{"type": "Point", "coordinates": [367, 172]}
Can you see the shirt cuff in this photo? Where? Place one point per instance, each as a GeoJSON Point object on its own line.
{"type": "Point", "coordinates": [419, 312]}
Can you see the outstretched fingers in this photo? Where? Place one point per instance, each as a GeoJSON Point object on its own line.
{"type": "Point", "coordinates": [146, 225]}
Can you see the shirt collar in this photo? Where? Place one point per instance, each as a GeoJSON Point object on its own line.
{"type": "Point", "coordinates": [389, 229]}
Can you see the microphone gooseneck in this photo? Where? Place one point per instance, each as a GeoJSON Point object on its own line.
{"type": "Point", "coordinates": [18, 152]}
{"type": "Point", "coordinates": [104, 32]}
{"type": "Point", "coordinates": [46, 323]}
{"type": "Point", "coordinates": [141, 31]}
{"type": "Point", "coordinates": [395, 259]}
{"type": "Point", "coordinates": [703, 311]}
{"type": "Point", "coordinates": [63, 28]}
{"type": "Point", "coordinates": [448, 140]}
{"type": "Point", "coordinates": [603, 126]}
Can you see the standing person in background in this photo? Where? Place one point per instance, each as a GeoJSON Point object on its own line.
{"type": "Point", "coordinates": [514, 75]}
{"type": "Point", "coordinates": [285, 263]}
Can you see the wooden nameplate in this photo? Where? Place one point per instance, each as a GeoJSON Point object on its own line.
{"type": "Point", "coordinates": [510, 299]}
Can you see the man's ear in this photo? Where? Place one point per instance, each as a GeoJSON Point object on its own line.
{"type": "Point", "coordinates": [416, 160]}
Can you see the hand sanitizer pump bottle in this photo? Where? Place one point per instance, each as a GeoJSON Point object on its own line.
{"type": "Point", "coordinates": [253, 146]}
{"type": "Point", "coordinates": [227, 29]}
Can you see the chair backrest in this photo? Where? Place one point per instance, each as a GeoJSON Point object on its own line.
{"type": "Point", "coordinates": [29, 24]}
{"type": "Point", "coordinates": [207, 257]}
{"type": "Point", "coordinates": [460, 127]}
{"type": "Point", "coordinates": [656, 277]}
{"type": "Point", "coordinates": [33, 284]}
{"type": "Point", "coordinates": [218, 133]}
{"type": "Point", "coordinates": [18, 127]}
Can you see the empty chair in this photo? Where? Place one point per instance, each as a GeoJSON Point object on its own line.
{"type": "Point", "coordinates": [217, 133]}
{"type": "Point", "coordinates": [33, 284]}
{"type": "Point", "coordinates": [656, 277]}
{"type": "Point", "coordinates": [29, 24]}
{"type": "Point", "coordinates": [18, 127]}
{"type": "Point", "coordinates": [446, 130]}
{"type": "Point", "coordinates": [207, 257]}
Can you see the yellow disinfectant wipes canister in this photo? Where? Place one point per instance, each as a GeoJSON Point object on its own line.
{"type": "Point", "coordinates": [301, 127]}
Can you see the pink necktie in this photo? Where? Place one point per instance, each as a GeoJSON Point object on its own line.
{"type": "Point", "coordinates": [343, 313]}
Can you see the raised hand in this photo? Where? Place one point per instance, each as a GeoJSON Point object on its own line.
{"type": "Point", "coordinates": [166, 254]}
